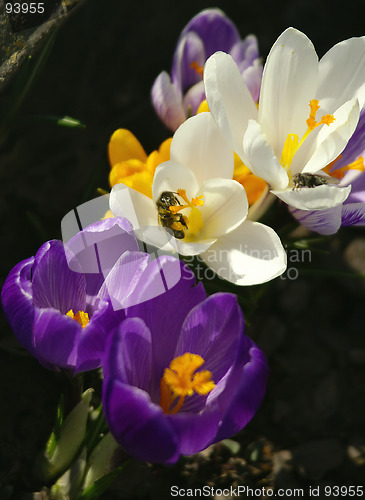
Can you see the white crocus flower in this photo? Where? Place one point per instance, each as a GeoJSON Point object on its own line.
{"type": "Point", "coordinates": [208, 216]}
{"type": "Point", "coordinates": [308, 110]}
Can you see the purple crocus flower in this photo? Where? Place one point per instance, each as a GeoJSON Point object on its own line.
{"type": "Point", "coordinates": [179, 373]}
{"type": "Point", "coordinates": [61, 302]}
{"type": "Point", "coordinates": [178, 97]}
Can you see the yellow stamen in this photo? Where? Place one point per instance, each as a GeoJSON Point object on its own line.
{"type": "Point", "coordinates": [196, 67]}
{"type": "Point", "coordinates": [180, 380]}
{"type": "Point", "coordinates": [194, 221]}
{"type": "Point", "coordinates": [292, 143]}
{"type": "Point", "coordinates": [81, 317]}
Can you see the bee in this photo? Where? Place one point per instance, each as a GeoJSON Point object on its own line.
{"type": "Point", "coordinates": [175, 222]}
{"type": "Point", "coordinates": [308, 180]}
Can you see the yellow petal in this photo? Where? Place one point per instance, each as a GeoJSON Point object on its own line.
{"type": "Point", "coordinates": [123, 145]}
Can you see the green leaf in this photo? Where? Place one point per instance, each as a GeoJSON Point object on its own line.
{"type": "Point", "coordinates": [95, 490]}
{"type": "Point", "coordinates": [53, 439]}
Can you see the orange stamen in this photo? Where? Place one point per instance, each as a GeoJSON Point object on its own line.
{"type": "Point", "coordinates": [199, 69]}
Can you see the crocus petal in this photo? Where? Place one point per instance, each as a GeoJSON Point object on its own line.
{"type": "Point", "coordinates": [225, 206]}
{"type": "Point", "coordinates": [357, 194]}
{"type": "Point", "coordinates": [129, 353]}
{"type": "Point", "coordinates": [289, 82]}
{"type": "Point", "coordinates": [249, 391]}
{"type": "Point", "coordinates": [55, 337]}
{"type": "Point", "coordinates": [171, 176]}
{"type": "Point", "coordinates": [134, 206]}
{"type": "Point", "coordinates": [123, 146]}
{"type": "Point", "coordinates": [193, 98]}
{"type": "Point", "coordinates": [229, 99]}
{"type": "Point", "coordinates": [354, 147]}
{"type": "Point", "coordinates": [317, 198]}
{"type": "Point", "coordinates": [353, 214]}
{"type": "Point", "coordinates": [181, 299]}
{"type": "Point", "coordinates": [321, 221]}
{"type": "Point", "coordinates": [194, 247]}
{"type": "Point", "coordinates": [167, 102]}
{"type": "Point", "coordinates": [213, 329]}
{"type": "Point", "coordinates": [54, 284]}
{"type": "Point", "coordinates": [252, 76]}
{"type": "Point", "coordinates": [190, 48]}
{"type": "Point", "coordinates": [249, 255]}
{"type": "Point", "coordinates": [261, 158]}
{"type": "Point", "coordinates": [91, 342]}
{"type": "Point", "coordinates": [137, 423]}
{"type": "Point", "coordinates": [122, 280]}
{"type": "Point", "coordinates": [215, 29]}
{"type": "Point", "coordinates": [342, 74]}
{"type": "Point", "coordinates": [97, 248]}
{"type": "Point", "coordinates": [332, 139]}
{"type": "Point", "coordinates": [245, 51]}
{"type": "Point", "coordinates": [17, 302]}
{"type": "Point", "coordinates": [199, 144]}
{"type": "Point", "coordinates": [196, 431]}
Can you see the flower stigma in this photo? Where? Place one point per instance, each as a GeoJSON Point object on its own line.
{"type": "Point", "coordinates": [180, 380]}
{"type": "Point", "coordinates": [197, 68]}
{"type": "Point", "coordinates": [292, 143]}
{"type": "Point", "coordinates": [81, 317]}
{"type": "Point", "coordinates": [194, 220]}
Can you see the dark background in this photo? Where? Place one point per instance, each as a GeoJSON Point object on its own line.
{"type": "Point", "coordinates": [310, 429]}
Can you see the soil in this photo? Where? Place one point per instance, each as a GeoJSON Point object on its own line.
{"type": "Point", "coordinates": [309, 432]}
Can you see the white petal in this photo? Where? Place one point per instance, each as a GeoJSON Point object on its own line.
{"type": "Point", "coordinates": [225, 206]}
{"type": "Point", "coordinates": [249, 255]}
{"type": "Point", "coordinates": [332, 139]}
{"type": "Point", "coordinates": [261, 159]}
{"type": "Point", "coordinates": [289, 82]}
{"type": "Point", "coordinates": [194, 247]}
{"type": "Point", "coordinates": [317, 198]}
{"type": "Point", "coordinates": [199, 144]}
{"type": "Point", "coordinates": [342, 74]}
{"type": "Point", "coordinates": [171, 176]}
{"type": "Point", "coordinates": [133, 205]}
{"type": "Point", "coordinates": [229, 99]}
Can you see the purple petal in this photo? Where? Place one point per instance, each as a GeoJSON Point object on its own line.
{"type": "Point", "coordinates": [247, 394]}
{"type": "Point", "coordinates": [96, 249]}
{"type": "Point", "coordinates": [355, 146]}
{"type": "Point", "coordinates": [353, 214]}
{"type": "Point", "coordinates": [164, 314]}
{"type": "Point", "coordinates": [55, 337]}
{"type": "Point", "coordinates": [215, 29]}
{"type": "Point", "coordinates": [245, 51]}
{"type": "Point", "coordinates": [326, 221]}
{"type": "Point", "coordinates": [190, 49]}
{"type": "Point", "coordinates": [252, 77]}
{"type": "Point", "coordinates": [54, 284]}
{"type": "Point", "coordinates": [17, 302]}
{"type": "Point", "coordinates": [193, 98]}
{"type": "Point", "coordinates": [357, 189]}
{"type": "Point", "coordinates": [92, 341]}
{"type": "Point", "coordinates": [129, 354]}
{"type": "Point", "coordinates": [138, 425]}
{"type": "Point", "coordinates": [123, 279]}
{"type": "Point", "coordinates": [196, 431]}
{"type": "Point", "coordinates": [167, 101]}
{"type": "Point", "coordinates": [214, 330]}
